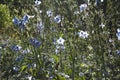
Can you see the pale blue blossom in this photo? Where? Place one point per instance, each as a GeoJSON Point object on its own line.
{"type": "Point", "coordinates": [59, 45]}
{"type": "Point", "coordinates": [83, 7]}
{"type": "Point", "coordinates": [83, 34]}
{"type": "Point", "coordinates": [40, 27]}
{"type": "Point", "coordinates": [57, 19]}
{"type": "Point", "coordinates": [118, 33]}
{"type": "Point", "coordinates": [37, 3]}
{"type": "Point", "coordinates": [49, 13]}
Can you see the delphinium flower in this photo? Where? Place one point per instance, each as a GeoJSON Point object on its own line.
{"type": "Point", "coordinates": [26, 18]}
{"type": "Point", "coordinates": [102, 25]}
{"type": "Point", "coordinates": [37, 3]}
{"type": "Point", "coordinates": [83, 34]}
{"type": "Point", "coordinates": [35, 42]}
{"type": "Point", "coordinates": [16, 48]}
{"type": "Point", "coordinates": [21, 23]}
{"type": "Point", "coordinates": [118, 33]}
{"type": "Point", "coordinates": [57, 19]}
{"type": "Point", "coordinates": [83, 7]}
{"type": "Point", "coordinates": [49, 13]}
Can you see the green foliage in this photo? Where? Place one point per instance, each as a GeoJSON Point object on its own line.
{"type": "Point", "coordinates": [91, 58]}
{"type": "Point", "coordinates": [5, 18]}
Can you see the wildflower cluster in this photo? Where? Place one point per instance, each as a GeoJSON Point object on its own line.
{"type": "Point", "coordinates": [71, 40]}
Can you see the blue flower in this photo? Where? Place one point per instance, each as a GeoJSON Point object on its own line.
{"type": "Point", "coordinates": [16, 48]}
{"type": "Point", "coordinates": [21, 23]}
{"type": "Point", "coordinates": [25, 19]}
{"type": "Point", "coordinates": [15, 21]}
{"type": "Point", "coordinates": [35, 42]}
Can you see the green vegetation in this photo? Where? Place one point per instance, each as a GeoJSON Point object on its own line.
{"type": "Point", "coordinates": [59, 40]}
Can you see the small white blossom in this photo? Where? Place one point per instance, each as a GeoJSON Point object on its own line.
{"type": "Point", "coordinates": [83, 7]}
{"type": "Point", "coordinates": [102, 0]}
{"type": "Point", "coordinates": [37, 3]}
{"type": "Point", "coordinates": [49, 13]}
{"type": "Point", "coordinates": [26, 51]}
{"type": "Point", "coordinates": [102, 25]}
{"type": "Point", "coordinates": [81, 74]}
{"type": "Point", "coordinates": [76, 12]}
{"type": "Point", "coordinates": [60, 41]}
{"type": "Point", "coordinates": [40, 11]}
{"type": "Point", "coordinates": [118, 30]}
{"type": "Point", "coordinates": [118, 33]}
{"type": "Point", "coordinates": [29, 77]}
{"type": "Point", "coordinates": [83, 34]}
{"type": "Point", "coordinates": [57, 19]}
{"type": "Point", "coordinates": [34, 65]}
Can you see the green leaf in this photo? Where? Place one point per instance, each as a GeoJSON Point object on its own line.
{"type": "Point", "coordinates": [23, 68]}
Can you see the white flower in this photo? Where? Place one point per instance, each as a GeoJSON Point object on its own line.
{"type": "Point", "coordinates": [118, 33]}
{"type": "Point", "coordinates": [118, 30]}
{"type": "Point", "coordinates": [40, 11]}
{"type": "Point", "coordinates": [37, 2]}
{"type": "Point", "coordinates": [102, 0]}
{"type": "Point", "coordinates": [26, 51]}
{"type": "Point", "coordinates": [83, 7]}
{"type": "Point", "coordinates": [57, 19]}
{"type": "Point", "coordinates": [76, 12]}
{"type": "Point", "coordinates": [49, 13]}
{"type": "Point", "coordinates": [81, 74]}
{"type": "Point", "coordinates": [102, 25]}
{"type": "Point", "coordinates": [60, 41]}
{"type": "Point", "coordinates": [88, 2]}
{"type": "Point", "coordinates": [83, 34]}
{"type": "Point", "coordinates": [30, 78]}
